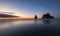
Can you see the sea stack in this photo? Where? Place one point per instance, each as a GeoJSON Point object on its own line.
{"type": "Point", "coordinates": [47, 16]}
{"type": "Point", "coordinates": [35, 17]}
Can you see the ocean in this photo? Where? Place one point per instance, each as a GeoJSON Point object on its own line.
{"type": "Point", "coordinates": [41, 27]}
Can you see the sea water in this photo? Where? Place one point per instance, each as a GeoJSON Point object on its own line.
{"type": "Point", "coordinates": [30, 27]}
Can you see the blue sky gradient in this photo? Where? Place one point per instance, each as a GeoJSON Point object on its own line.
{"type": "Point", "coordinates": [31, 7]}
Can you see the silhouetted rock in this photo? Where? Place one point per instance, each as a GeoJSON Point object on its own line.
{"type": "Point", "coordinates": [35, 16]}
{"type": "Point", "coordinates": [6, 15]}
{"type": "Point", "coordinates": [47, 16]}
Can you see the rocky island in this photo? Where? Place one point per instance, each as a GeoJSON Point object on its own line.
{"type": "Point", "coordinates": [47, 16]}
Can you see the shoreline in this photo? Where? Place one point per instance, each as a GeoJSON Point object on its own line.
{"type": "Point", "coordinates": [29, 19]}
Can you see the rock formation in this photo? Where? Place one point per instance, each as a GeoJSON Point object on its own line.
{"type": "Point", "coordinates": [47, 16]}
{"type": "Point", "coordinates": [35, 16]}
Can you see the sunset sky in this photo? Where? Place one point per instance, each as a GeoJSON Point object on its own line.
{"type": "Point", "coordinates": [28, 8]}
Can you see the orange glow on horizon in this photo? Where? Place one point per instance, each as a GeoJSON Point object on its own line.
{"type": "Point", "coordinates": [20, 15]}
{"type": "Point", "coordinates": [30, 16]}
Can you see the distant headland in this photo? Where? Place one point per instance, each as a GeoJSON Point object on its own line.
{"type": "Point", "coordinates": [7, 15]}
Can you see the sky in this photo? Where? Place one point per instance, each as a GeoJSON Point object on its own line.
{"type": "Point", "coordinates": [29, 8]}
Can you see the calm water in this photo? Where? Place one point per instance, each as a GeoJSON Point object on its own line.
{"type": "Point", "coordinates": [30, 27]}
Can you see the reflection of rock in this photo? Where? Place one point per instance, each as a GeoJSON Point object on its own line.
{"type": "Point", "coordinates": [47, 16]}
{"type": "Point", "coordinates": [46, 21]}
